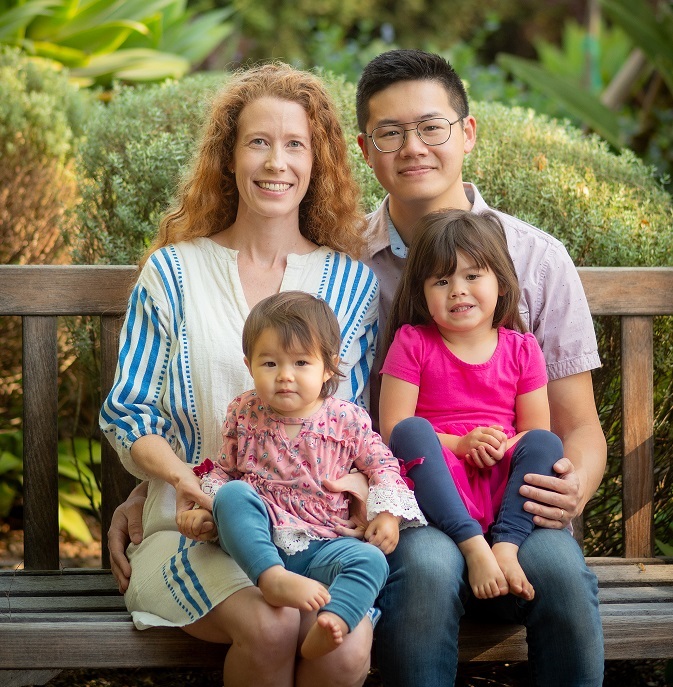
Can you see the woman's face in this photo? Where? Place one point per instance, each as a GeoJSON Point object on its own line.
{"type": "Point", "coordinates": [272, 159]}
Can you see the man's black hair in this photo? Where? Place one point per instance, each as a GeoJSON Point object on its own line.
{"type": "Point", "coordinates": [407, 65]}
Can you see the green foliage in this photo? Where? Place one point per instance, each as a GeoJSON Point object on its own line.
{"type": "Point", "coordinates": [136, 147]}
{"type": "Point", "coordinates": [41, 114]}
{"type": "Point", "coordinates": [41, 123]}
{"type": "Point", "coordinates": [644, 124]}
{"type": "Point", "coordinates": [78, 487]}
{"type": "Point", "coordinates": [607, 208]}
{"type": "Point", "coordinates": [133, 40]}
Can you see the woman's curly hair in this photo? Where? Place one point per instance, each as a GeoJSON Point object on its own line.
{"type": "Point", "coordinates": [207, 200]}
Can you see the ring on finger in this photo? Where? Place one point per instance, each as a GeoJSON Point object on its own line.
{"type": "Point", "coordinates": [563, 514]}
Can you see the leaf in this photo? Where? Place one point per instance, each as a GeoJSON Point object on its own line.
{"type": "Point", "coordinates": [651, 34]}
{"type": "Point", "coordinates": [8, 495]}
{"type": "Point", "coordinates": [18, 18]}
{"type": "Point", "coordinates": [135, 65]}
{"type": "Point", "coordinates": [569, 93]}
{"type": "Point", "coordinates": [195, 40]}
{"type": "Point", "coordinates": [70, 521]}
{"type": "Point", "coordinates": [9, 462]}
{"type": "Point", "coordinates": [105, 38]}
{"type": "Point", "coordinates": [59, 53]}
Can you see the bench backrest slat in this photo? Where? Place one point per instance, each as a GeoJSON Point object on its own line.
{"type": "Point", "coordinates": [40, 437]}
{"type": "Point", "coordinates": [638, 443]}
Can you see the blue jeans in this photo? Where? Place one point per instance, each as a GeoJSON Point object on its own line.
{"type": "Point", "coordinates": [416, 640]}
{"type": "Point", "coordinates": [427, 592]}
{"type": "Point", "coordinates": [436, 492]}
{"type": "Point", "coordinates": [354, 571]}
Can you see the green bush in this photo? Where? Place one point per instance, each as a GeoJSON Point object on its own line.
{"type": "Point", "coordinates": [41, 123]}
{"type": "Point", "coordinates": [608, 210]}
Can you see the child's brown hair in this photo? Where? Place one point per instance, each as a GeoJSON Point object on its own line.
{"type": "Point", "coordinates": [433, 253]}
{"type": "Point", "coordinates": [298, 318]}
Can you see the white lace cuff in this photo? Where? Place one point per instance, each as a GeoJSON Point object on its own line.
{"type": "Point", "coordinates": [396, 500]}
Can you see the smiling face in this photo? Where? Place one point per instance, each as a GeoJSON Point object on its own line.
{"type": "Point", "coordinates": [273, 159]}
{"type": "Point", "coordinates": [418, 174]}
{"type": "Point", "coordinates": [290, 381]}
{"type": "Point", "coordinates": [465, 301]}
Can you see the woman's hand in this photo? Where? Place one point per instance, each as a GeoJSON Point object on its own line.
{"type": "Point", "coordinates": [126, 526]}
{"type": "Point", "coordinates": [188, 494]}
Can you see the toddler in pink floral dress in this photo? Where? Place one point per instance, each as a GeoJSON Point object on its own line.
{"type": "Point", "coordinates": [284, 444]}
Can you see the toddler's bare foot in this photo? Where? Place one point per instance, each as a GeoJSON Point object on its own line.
{"type": "Point", "coordinates": [486, 578]}
{"type": "Point", "coordinates": [507, 556]}
{"type": "Point", "coordinates": [326, 634]}
{"type": "Point", "coordinates": [280, 587]}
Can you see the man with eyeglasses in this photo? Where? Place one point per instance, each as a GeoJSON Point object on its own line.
{"type": "Point", "coordinates": [416, 128]}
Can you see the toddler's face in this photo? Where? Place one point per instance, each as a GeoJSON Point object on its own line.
{"type": "Point", "coordinates": [290, 381]}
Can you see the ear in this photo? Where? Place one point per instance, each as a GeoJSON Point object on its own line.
{"type": "Point", "coordinates": [247, 364]}
{"type": "Point", "coordinates": [362, 142]}
{"type": "Point", "coordinates": [469, 133]}
{"type": "Point", "coordinates": [328, 374]}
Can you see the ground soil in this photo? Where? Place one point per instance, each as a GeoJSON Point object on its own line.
{"type": "Point", "coordinates": [77, 555]}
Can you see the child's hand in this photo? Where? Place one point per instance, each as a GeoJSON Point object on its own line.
{"type": "Point", "coordinates": [384, 532]}
{"type": "Point", "coordinates": [483, 447]}
{"type": "Point", "coordinates": [197, 524]}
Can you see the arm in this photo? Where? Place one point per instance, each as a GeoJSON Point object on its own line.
{"type": "Point", "coordinates": [154, 455]}
{"type": "Point", "coordinates": [532, 412]}
{"type": "Point", "coordinates": [358, 321]}
{"type": "Point", "coordinates": [397, 402]}
{"type": "Point", "coordinates": [575, 420]}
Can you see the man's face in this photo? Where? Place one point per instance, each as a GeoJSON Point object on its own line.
{"type": "Point", "coordinates": [418, 173]}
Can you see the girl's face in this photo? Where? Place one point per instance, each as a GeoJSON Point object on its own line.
{"type": "Point", "coordinates": [272, 159]}
{"type": "Point", "coordinates": [290, 381]}
{"type": "Point", "coordinates": [465, 301]}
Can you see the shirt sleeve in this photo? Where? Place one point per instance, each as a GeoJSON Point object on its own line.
{"type": "Point", "coordinates": [387, 490]}
{"type": "Point", "coordinates": [135, 405]}
{"type": "Point", "coordinates": [562, 322]}
{"type": "Point", "coordinates": [404, 356]}
{"type": "Point", "coordinates": [352, 291]}
{"type": "Point", "coordinates": [532, 366]}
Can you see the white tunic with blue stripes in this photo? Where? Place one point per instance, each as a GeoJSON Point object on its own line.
{"type": "Point", "coordinates": [180, 364]}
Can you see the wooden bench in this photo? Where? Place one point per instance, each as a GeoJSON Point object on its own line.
{"type": "Point", "coordinates": [53, 618]}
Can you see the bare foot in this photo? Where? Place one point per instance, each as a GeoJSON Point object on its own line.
{"type": "Point", "coordinates": [280, 587]}
{"type": "Point", "coordinates": [486, 578]}
{"type": "Point", "coordinates": [326, 634]}
{"type": "Point", "coordinates": [507, 556]}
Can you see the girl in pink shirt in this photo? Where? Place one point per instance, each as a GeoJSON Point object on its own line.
{"type": "Point", "coordinates": [285, 442]}
{"type": "Point", "coordinates": [465, 387]}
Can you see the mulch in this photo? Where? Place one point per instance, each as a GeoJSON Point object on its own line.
{"type": "Point", "coordinates": [77, 555]}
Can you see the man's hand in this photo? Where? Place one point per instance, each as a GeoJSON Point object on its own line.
{"type": "Point", "coordinates": [555, 500]}
{"type": "Point", "coordinates": [126, 526]}
{"type": "Point", "coordinates": [357, 486]}
{"type": "Point", "coordinates": [384, 532]}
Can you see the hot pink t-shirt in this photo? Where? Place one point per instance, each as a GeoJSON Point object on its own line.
{"type": "Point", "coordinates": [455, 397]}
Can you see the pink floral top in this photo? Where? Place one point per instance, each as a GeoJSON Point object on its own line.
{"type": "Point", "coordinates": [288, 473]}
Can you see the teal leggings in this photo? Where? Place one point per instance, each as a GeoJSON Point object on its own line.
{"type": "Point", "coordinates": [353, 570]}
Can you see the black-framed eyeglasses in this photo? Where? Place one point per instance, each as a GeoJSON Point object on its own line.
{"type": "Point", "coordinates": [389, 138]}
